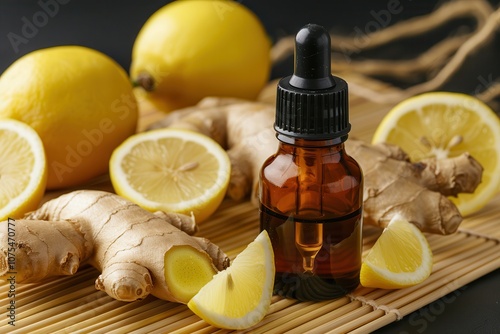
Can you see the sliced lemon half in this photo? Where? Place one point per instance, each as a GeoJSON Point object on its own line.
{"type": "Point", "coordinates": [401, 257]}
{"type": "Point", "coordinates": [441, 125]}
{"type": "Point", "coordinates": [23, 169]}
{"type": "Point", "coordinates": [171, 170]}
{"type": "Point", "coordinates": [240, 296]}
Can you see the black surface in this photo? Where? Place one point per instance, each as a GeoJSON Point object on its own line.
{"type": "Point", "coordinates": [112, 25]}
{"type": "Point", "coordinates": [473, 308]}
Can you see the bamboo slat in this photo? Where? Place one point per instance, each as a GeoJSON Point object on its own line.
{"type": "Point", "coordinates": [72, 305]}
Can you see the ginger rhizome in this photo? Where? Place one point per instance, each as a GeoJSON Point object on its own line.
{"type": "Point", "coordinates": [137, 252]}
{"type": "Point", "coordinates": [393, 185]}
{"type": "Point", "coordinates": [417, 191]}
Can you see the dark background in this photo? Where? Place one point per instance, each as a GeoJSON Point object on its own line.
{"type": "Point", "coordinates": [111, 26]}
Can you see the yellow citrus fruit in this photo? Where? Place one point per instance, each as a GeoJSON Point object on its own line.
{"type": "Point", "coordinates": [79, 101]}
{"type": "Point", "coordinates": [443, 124]}
{"type": "Point", "coordinates": [171, 170]}
{"type": "Point", "coordinates": [23, 169]}
{"type": "Point", "coordinates": [401, 257]}
{"type": "Point", "coordinates": [188, 50]}
{"type": "Point", "coordinates": [239, 297]}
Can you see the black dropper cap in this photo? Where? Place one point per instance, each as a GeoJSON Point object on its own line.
{"type": "Point", "coordinates": [312, 104]}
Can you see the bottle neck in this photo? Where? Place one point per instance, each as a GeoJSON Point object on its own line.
{"type": "Point", "coordinates": [307, 143]}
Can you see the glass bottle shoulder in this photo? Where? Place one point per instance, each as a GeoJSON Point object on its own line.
{"type": "Point", "coordinates": [324, 165]}
{"type": "Point", "coordinates": [302, 180]}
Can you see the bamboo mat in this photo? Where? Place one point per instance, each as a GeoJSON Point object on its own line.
{"type": "Point", "coordinates": [72, 305]}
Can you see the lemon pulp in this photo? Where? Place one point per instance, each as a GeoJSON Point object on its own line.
{"type": "Point", "coordinates": [171, 170]}
{"type": "Point", "coordinates": [23, 170]}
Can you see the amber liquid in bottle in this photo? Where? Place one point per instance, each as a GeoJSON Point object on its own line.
{"type": "Point", "coordinates": [311, 206]}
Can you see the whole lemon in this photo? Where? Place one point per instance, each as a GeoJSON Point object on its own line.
{"type": "Point", "coordinates": [188, 50]}
{"type": "Point", "coordinates": [79, 101]}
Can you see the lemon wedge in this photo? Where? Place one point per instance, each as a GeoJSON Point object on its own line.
{"type": "Point", "coordinates": [401, 257]}
{"type": "Point", "coordinates": [239, 297]}
{"type": "Point", "coordinates": [23, 169]}
{"type": "Point", "coordinates": [171, 170]}
{"type": "Point", "coordinates": [443, 124]}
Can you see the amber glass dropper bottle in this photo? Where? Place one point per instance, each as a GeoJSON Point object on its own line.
{"type": "Point", "coordinates": [311, 190]}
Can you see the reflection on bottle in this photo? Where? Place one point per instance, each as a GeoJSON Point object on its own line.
{"type": "Point", "coordinates": [308, 240]}
{"type": "Point", "coordinates": [330, 270]}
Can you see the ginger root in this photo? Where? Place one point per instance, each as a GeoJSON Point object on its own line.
{"type": "Point", "coordinates": [417, 191]}
{"type": "Point", "coordinates": [137, 252]}
{"type": "Point", "coordinates": [393, 184]}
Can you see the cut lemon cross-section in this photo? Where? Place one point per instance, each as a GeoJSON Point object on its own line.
{"type": "Point", "coordinates": [240, 296]}
{"type": "Point", "coordinates": [171, 170]}
{"type": "Point", "coordinates": [23, 169]}
{"type": "Point", "coordinates": [401, 257]}
{"type": "Point", "coordinates": [443, 124]}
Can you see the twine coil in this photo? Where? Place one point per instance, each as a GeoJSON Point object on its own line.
{"type": "Point", "coordinates": [437, 64]}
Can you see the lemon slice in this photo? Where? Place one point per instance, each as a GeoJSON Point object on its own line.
{"type": "Point", "coordinates": [23, 169]}
{"type": "Point", "coordinates": [171, 170]}
{"type": "Point", "coordinates": [401, 257]}
{"type": "Point", "coordinates": [443, 124]}
{"type": "Point", "coordinates": [239, 297]}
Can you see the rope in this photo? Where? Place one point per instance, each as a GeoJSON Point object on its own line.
{"type": "Point", "coordinates": [437, 64]}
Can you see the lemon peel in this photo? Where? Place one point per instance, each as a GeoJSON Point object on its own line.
{"type": "Point", "coordinates": [79, 101]}
{"type": "Point", "coordinates": [188, 50]}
